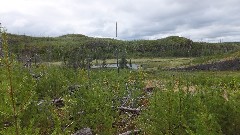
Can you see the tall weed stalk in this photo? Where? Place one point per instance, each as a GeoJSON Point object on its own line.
{"type": "Point", "coordinates": [7, 60]}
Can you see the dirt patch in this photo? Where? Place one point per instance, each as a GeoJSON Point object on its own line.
{"type": "Point", "coordinates": [153, 84]}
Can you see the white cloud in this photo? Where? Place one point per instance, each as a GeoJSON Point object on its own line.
{"type": "Point", "coordinates": [137, 19]}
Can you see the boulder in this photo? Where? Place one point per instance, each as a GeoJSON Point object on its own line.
{"type": "Point", "coordinates": [84, 131]}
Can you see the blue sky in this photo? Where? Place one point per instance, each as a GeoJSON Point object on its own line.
{"type": "Point", "coordinates": [206, 20]}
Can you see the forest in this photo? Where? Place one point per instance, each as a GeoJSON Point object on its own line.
{"type": "Point", "coordinates": [48, 86]}
{"type": "Point", "coordinates": [106, 48]}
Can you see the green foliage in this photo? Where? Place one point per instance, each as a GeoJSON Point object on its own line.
{"type": "Point", "coordinates": [92, 108]}
{"type": "Point", "coordinates": [181, 102]}
{"type": "Point", "coordinates": [67, 46]}
{"type": "Point", "coordinates": [77, 58]}
{"type": "Point", "coordinates": [193, 103]}
{"type": "Point", "coordinates": [177, 113]}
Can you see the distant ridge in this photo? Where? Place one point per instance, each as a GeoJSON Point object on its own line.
{"type": "Point", "coordinates": [73, 36]}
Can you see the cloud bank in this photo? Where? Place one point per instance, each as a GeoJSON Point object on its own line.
{"type": "Point", "coordinates": [198, 20]}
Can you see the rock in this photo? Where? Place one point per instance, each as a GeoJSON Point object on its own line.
{"type": "Point", "coordinates": [37, 76]}
{"type": "Point", "coordinates": [84, 131]}
{"type": "Point", "coordinates": [7, 124]}
{"type": "Point", "coordinates": [148, 89]}
{"type": "Point", "coordinates": [58, 102]}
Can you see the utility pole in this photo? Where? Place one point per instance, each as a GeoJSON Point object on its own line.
{"type": "Point", "coordinates": [117, 50]}
{"type": "Point", "coordinates": [88, 66]}
{"type": "Point", "coordinates": [0, 39]}
{"type": "Point", "coordinates": [116, 29]}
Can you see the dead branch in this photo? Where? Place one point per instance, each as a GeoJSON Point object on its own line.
{"type": "Point", "coordinates": [131, 110]}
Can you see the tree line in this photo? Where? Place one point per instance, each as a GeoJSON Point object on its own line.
{"type": "Point", "coordinates": [79, 48]}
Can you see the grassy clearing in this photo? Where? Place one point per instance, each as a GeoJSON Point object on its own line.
{"type": "Point", "coordinates": [147, 63]}
{"type": "Point", "coordinates": [155, 63]}
{"type": "Point", "coordinates": [216, 58]}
